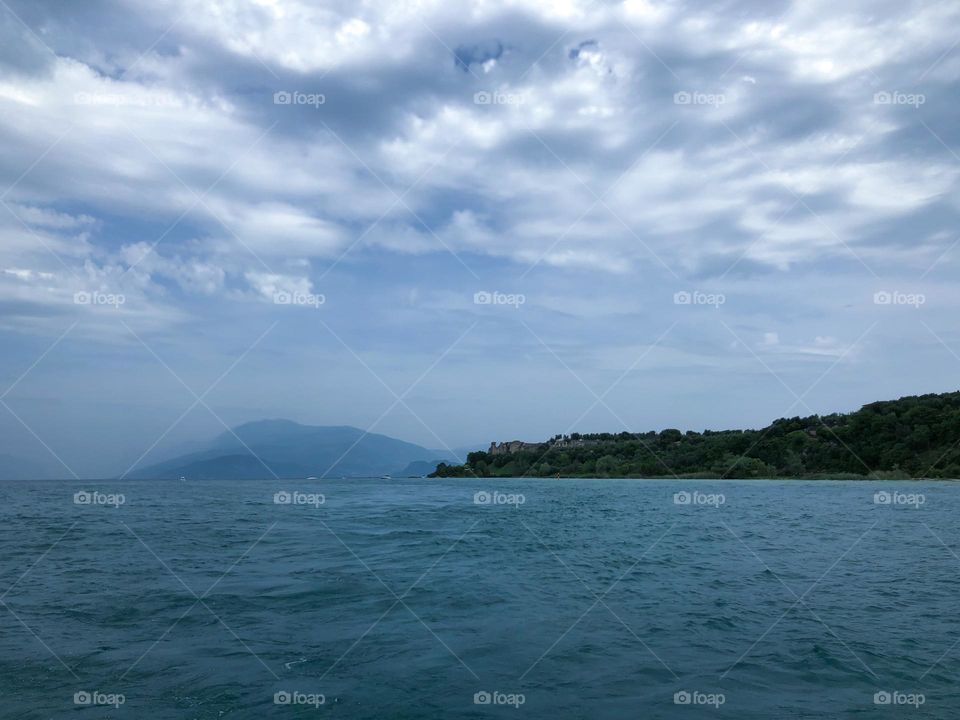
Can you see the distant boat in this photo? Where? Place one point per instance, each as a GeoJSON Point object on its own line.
{"type": "Point", "coordinates": [386, 477]}
{"type": "Point", "coordinates": [313, 477]}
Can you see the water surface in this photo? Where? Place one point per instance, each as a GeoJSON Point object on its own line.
{"type": "Point", "coordinates": [407, 599]}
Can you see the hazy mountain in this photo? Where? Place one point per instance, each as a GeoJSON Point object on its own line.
{"type": "Point", "coordinates": [18, 468]}
{"type": "Point", "coordinates": [287, 449]}
{"type": "Point", "coordinates": [419, 468]}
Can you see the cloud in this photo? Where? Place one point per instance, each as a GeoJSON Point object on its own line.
{"type": "Point", "coordinates": [199, 157]}
{"type": "Point", "coordinates": [702, 180]}
{"type": "Point", "coordinates": [268, 285]}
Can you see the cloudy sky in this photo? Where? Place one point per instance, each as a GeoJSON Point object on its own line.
{"type": "Point", "coordinates": [458, 222]}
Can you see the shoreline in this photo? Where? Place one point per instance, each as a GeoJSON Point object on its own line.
{"type": "Point", "coordinates": [704, 479]}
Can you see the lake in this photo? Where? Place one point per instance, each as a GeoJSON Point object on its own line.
{"type": "Point", "coordinates": [479, 598]}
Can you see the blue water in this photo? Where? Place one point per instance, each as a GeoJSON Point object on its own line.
{"type": "Point", "coordinates": [405, 599]}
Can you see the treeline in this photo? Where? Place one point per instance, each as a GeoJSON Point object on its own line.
{"type": "Point", "coordinates": [911, 437]}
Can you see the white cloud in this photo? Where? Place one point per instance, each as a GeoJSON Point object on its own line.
{"type": "Point", "coordinates": [269, 284]}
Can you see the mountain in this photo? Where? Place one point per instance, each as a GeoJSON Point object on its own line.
{"type": "Point", "coordinates": [917, 436]}
{"type": "Point", "coordinates": [282, 448]}
{"type": "Point", "coordinates": [419, 468]}
{"type": "Point", "coordinates": [18, 468]}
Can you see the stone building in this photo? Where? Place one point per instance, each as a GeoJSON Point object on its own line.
{"type": "Point", "coordinates": [512, 446]}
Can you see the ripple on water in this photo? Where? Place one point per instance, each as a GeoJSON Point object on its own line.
{"type": "Point", "coordinates": [595, 599]}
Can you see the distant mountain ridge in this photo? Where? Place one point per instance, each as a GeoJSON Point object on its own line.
{"type": "Point", "coordinates": [286, 449]}
{"type": "Point", "coordinates": [13, 467]}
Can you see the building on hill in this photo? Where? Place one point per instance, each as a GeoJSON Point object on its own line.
{"type": "Point", "coordinates": [567, 442]}
{"type": "Point", "coordinates": [512, 446]}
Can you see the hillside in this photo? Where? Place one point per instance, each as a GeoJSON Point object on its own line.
{"type": "Point", "coordinates": [291, 450]}
{"type": "Point", "coordinates": [13, 467]}
{"type": "Point", "coordinates": [916, 436]}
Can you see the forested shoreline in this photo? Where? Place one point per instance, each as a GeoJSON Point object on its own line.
{"type": "Point", "coordinates": [917, 436]}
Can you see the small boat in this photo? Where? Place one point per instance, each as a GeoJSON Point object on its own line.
{"type": "Point", "coordinates": [386, 477]}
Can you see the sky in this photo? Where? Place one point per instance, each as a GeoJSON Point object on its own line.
{"type": "Point", "coordinates": [461, 222]}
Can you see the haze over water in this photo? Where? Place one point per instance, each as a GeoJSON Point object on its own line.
{"type": "Point", "coordinates": [421, 598]}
